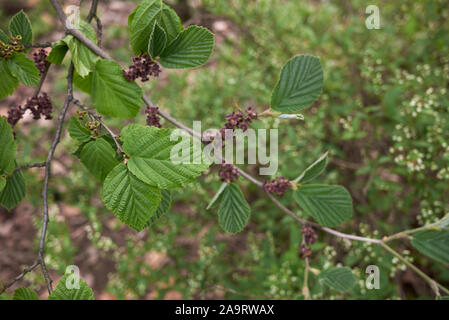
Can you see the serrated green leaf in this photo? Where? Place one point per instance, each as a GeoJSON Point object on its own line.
{"type": "Point", "coordinates": [58, 52]}
{"type": "Point", "coordinates": [99, 158]}
{"type": "Point", "coordinates": [84, 84]}
{"type": "Point", "coordinates": [149, 149]}
{"type": "Point", "coordinates": [8, 147]}
{"type": "Point", "coordinates": [83, 58]}
{"type": "Point", "coordinates": [21, 25]}
{"type": "Point", "coordinates": [162, 209]}
{"type": "Point", "coordinates": [142, 24]}
{"type": "Point", "coordinates": [77, 131]}
{"type": "Point", "coordinates": [313, 171]}
{"type": "Point", "coordinates": [339, 278]}
{"type": "Point", "coordinates": [66, 289]}
{"type": "Point", "coordinates": [234, 211]}
{"type": "Point", "coordinates": [24, 69]}
{"type": "Point", "coordinates": [300, 84]}
{"type": "Point", "coordinates": [158, 41]}
{"type": "Point", "coordinates": [4, 37]}
{"type": "Point", "coordinates": [433, 243]}
{"type": "Point", "coordinates": [2, 183]}
{"type": "Point", "coordinates": [112, 94]}
{"type": "Point", "coordinates": [329, 205]}
{"type": "Point", "coordinates": [25, 294]}
{"type": "Point", "coordinates": [170, 22]}
{"type": "Point", "coordinates": [13, 192]}
{"type": "Point", "coordinates": [9, 83]}
{"type": "Point", "coordinates": [191, 48]}
{"type": "Point", "coordinates": [132, 200]}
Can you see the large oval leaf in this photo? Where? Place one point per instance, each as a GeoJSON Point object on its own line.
{"type": "Point", "coordinates": [150, 160]}
{"type": "Point", "coordinates": [170, 22]}
{"type": "Point", "coordinates": [141, 24]}
{"type": "Point", "coordinates": [24, 69]}
{"type": "Point", "coordinates": [14, 191]}
{"type": "Point", "coordinates": [132, 201]}
{"type": "Point", "coordinates": [191, 48]}
{"type": "Point", "coordinates": [99, 158]}
{"type": "Point", "coordinates": [20, 25]}
{"type": "Point", "coordinates": [339, 278]}
{"type": "Point", "coordinates": [433, 243]}
{"type": "Point", "coordinates": [8, 83]}
{"type": "Point", "coordinates": [8, 147]}
{"type": "Point", "coordinates": [162, 208]}
{"type": "Point", "coordinates": [234, 211]}
{"type": "Point", "coordinates": [329, 205]}
{"type": "Point", "coordinates": [112, 94]}
{"type": "Point", "coordinates": [300, 84]}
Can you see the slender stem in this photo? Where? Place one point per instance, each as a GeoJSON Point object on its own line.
{"type": "Point", "coordinates": [406, 233]}
{"type": "Point", "coordinates": [19, 277]}
{"type": "Point", "coordinates": [432, 283]}
{"type": "Point", "coordinates": [30, 165]}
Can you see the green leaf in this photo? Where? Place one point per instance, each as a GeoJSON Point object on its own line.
{"type": "Point", "coordinates": [2, 183]}
{"type": "Point", "coordinates": [132, 201]}
{"type": "Point", "coordinates": [162, 208]}
{"type": "Point", "coordinates": [329, 205]}
{"type": "Point", "coordinates": [21, 25]}
{"type": "Point", "coordinates": [191, 48]}
{"type": "Point", "coordinates": [24, 69]}
{"type": "Point", "coordinates": [234, 211]}
{"type": "Point", "coordinates": [433, 243]}
{"type": "Point", "coordinates": [112, 94]}
{"type": "Point", "coordinates": [158, 41]}
{"type": "Point", "coordinates": [313, 171]}
{"type": "Point", "coordinates": [4, 37]}
{"type": "Point", "coordinates": [299, 86]}
{"type": "Point", "coordinates": [25, 294]}
{"type": "Point", "coordinates": [8, 147]}
{"type": "Point", "coordinates": [170, 22]}
{"type": "Point", "coordinates": [142, 24]}
{"type": "Point", "coordinates": [217, 195]}
{"type": "Point", "coordinates": [58, 52]}
{"type": "Point", "coordinates": [9, 83]}
{"type": "Point", "coordinates": [339, 278]}
{"type": "Point", "coordinates": [99, 158]}
{"type": "Point", "coordinates": [84, 84]}
{"type": "Point", "coordinates": [77, 131]}
{"type": "Point", "coordinates": [66, 289]}
{"type": "Point", "coordinates": [83, 58]}
{"type": "Point", "coordinates": [13, 192]}
{"type": "Point", "coordinates": [150, 148]}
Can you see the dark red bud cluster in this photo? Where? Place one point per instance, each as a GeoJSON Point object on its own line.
{"type": "Point", "coordinates": [228, 173]}
{"type": "Point", "coordinates": [153, 117]}
{"type": "Point", "coordinates": [142, 67]}
{"type": "Point", "coordinates": [39, 60]}
{"type": "Point", "coordinates": [304, 251]}
{"type": "Point", "coordinates": [309, 234]}
{"type": "Point", "coordinates": [278, 186]}
{"type": "Point", "coordinates": [240, 120]}
{"type": "Point", "coordinates": [39, 106]}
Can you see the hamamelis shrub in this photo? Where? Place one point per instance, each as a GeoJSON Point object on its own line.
{"type": "Point", "coordinates": [140, 182]}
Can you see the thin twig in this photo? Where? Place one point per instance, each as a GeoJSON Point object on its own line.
{"type": "Point", "coordinates": [19, 277]}
{"type": "Point", "coordinates": [48, 174]}
{"type": "Point", "coordinates": [38, 45]}
{"type": "Point", "coordinates": [432, 283]}
{"type": "Point", "coordinates": [41, 82]}
{"type": "Point", "coordinates": [30, 165]}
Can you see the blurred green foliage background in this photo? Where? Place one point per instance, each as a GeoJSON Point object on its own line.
{"type": "Point", "coordinates": [383, 117]}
